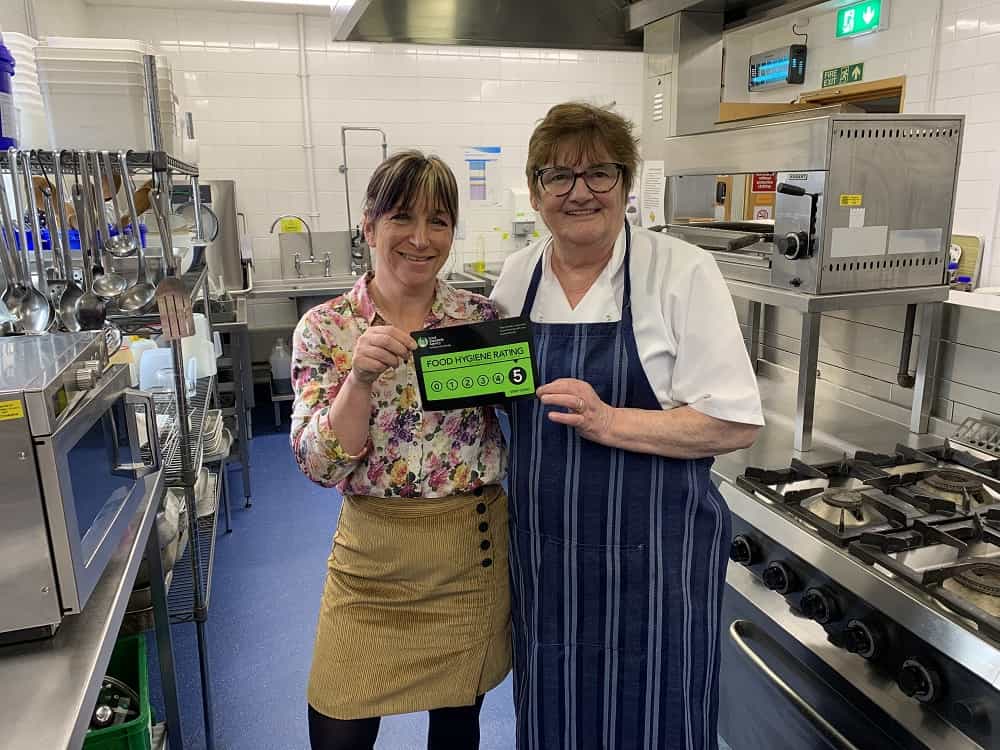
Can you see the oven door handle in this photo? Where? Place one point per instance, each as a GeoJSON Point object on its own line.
{"type": "Point", "coordinates": [134, 402]}
{"type": "Point", "coordinates": [741, 629]}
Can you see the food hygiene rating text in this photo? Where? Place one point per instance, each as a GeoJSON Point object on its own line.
{"type": "Point", "coordinates": [498, 354]}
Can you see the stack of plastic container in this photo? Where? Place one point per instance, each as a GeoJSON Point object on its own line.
{"type": "Point", "coordinates": [32, 126]}
{"type": "Point", "coordinates": [96, 95]}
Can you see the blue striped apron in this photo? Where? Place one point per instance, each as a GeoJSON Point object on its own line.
{"type": "Point", "coordinates": [617, 564]}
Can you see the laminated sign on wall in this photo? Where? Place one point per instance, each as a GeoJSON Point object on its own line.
{"type": "Point", "coordinates": [483, 166]}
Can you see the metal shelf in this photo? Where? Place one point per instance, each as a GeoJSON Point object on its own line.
{"type": "Point", "coordinates": [180, 598]}
{"type": "Point", "coordinates": [138, 161]}
{"type": "Point", "coordinates": [166, 404]}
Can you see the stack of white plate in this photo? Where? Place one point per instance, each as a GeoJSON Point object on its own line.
{"type": "Point", "coordinates": [32, 126]}
{"type": "Point", "coordinates": [96, 93]}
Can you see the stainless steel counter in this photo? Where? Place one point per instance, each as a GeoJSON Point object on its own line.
{"type": "Point", "coordinates": [838, 429]}
{"type": "Point", "coordinates": [48, 688]}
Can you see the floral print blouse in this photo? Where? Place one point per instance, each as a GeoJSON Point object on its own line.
{"type": "Point", "coordinates": [410, 452]}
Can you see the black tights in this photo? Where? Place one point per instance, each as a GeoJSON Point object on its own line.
{"type": "Point", "coordinates": [450, 729]}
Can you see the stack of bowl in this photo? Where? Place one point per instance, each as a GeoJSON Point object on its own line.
{"type": "Point", "coordinates": [96, 93]}
{"type": "Point", "coordinates": [32, 125]}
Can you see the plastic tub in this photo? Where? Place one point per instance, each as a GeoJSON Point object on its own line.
{"type": "Point", "coordinates": [101, 43]}
{"type": "Point", "coordinates": [98, 117]}
{"type": "Point", "coordinates": [129, 665]}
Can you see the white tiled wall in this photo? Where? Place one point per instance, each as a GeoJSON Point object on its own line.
{"type": "Point", "coordinates": [238, 72]}
{"type": "Point", "coordinates": [968, 70]}
{"type": "Point", "coordinates": [52, 17]}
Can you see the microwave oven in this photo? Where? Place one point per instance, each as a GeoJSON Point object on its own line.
{"type": "Point", "coordinates": [73, 455]}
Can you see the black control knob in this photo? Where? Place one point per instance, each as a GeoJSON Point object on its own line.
{"type": "Point", "coordinates": [743, 550]}
{"type": "Point", "coordinates": [971, 715]}
{"type": "Point", "coordinates": [819, 605]}
{"type": "Point", "coordinates": [781, 578]}
{"type": "Point", "coordinates": [862, 639]}
{"type": "Point", "coordinates": [919, 681]}
{"type": "Point", "coordinates": [794, 245]}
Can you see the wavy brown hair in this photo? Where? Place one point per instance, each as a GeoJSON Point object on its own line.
{"type": "Point", "coordinates": [575, 131]}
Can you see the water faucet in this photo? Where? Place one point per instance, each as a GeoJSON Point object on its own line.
{"type": "Point", "coordinates": [309, 238]}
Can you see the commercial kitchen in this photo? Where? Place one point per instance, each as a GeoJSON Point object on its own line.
{"type": "Point", "coordinates": [162, 556]}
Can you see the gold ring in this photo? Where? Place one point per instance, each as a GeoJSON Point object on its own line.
{"type": "Point", "coordinates": [579, 407]}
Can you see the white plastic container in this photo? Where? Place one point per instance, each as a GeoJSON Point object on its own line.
{"type": "Point", "coordinates": [281, 363]}
{"type": "Point", "coordinates": [97, 116]}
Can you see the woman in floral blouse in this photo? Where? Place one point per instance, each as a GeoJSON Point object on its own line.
{"type": "Point", "coordinates": [416, 612]}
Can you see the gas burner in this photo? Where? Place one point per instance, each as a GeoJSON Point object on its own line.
{"type": "Point", "coordinates": [984, 579]}
{"type": "Point", "coordinates": [958, 487]}
{"type": "Point", "coordinates": [844, 508]}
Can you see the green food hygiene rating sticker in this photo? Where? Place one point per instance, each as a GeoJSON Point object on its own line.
{"type": "Point", "coordinates": [480, 364]}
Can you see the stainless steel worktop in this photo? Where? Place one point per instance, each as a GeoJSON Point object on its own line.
{"type": "Point", "coordinates": [48, 688]}
{"type": "Point", "coordinates": [331, 286]}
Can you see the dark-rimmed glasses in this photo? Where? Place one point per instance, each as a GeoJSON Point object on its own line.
{"type": "Point", "coordinates": [599, 178]}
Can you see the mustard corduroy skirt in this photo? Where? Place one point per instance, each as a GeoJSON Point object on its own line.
{"type": "Point", "coordinates": [416, 610]}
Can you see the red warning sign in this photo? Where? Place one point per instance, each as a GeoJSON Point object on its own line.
{"type": "Point", "coordinates": [764, 182]}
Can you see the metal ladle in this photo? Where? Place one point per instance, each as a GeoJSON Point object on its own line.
{"type": "Point", "coordinates": [17, 294]}
{"type": "Point", "coordinates": [72, 294]}
{"type": "Point", "coordinates": [107, 283]}
{"type": "Point", "coordinates": [119, 246]}
{"type": "Point", "coordinates": [36, 310]}
{"type": "Point", "coordinates": [140, 295]}
{"type": "Point", "coordinates": [91, 309]}
{"type": "Point", "coordinates": [36, 234]}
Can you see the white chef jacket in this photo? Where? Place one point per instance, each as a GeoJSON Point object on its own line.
{"type": "Point", "coordinates": [689, 339]}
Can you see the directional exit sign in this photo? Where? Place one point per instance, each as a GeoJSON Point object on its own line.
{"type": "Point", "coordinates": [843, 75]}
{"type": "Point", "coordinates": [862, 18]}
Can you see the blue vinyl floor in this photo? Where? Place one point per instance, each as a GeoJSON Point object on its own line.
{"type": "Point", "coordinates": [265, 599]}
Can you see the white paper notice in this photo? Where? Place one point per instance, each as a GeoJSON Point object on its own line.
{"type": "Point", "coordinates": [654, 184]}
{"type": "Point", "coordinates": [857, 218]}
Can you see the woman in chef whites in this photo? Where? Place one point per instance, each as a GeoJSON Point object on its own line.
{"type": "Point", "coordinates": [619, 539]}
{"type": "Point", "coordinates": [416, 611]}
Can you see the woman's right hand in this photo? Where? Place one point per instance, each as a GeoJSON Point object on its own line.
{"type": "Point", "coordinates": [380, 348]}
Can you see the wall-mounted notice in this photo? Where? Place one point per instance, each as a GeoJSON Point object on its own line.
{"type": "Point", "coordinates": [654, 184]}
{"type": "Point", "coordinates": [483, 167]}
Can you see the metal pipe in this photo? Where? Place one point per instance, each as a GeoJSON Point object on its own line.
{"type": "Point", "coordinates": [153, 102]}
{"type": "Point", "coordinates": [903, 376]}
{"type": "Point", "coordinates": [343, 166]}
{"type": "Point", "coordinates": [307, 135]}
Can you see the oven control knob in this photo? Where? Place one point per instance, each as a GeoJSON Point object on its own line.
{"type": "Point", "coordinates": [819, 605]}
{"type": "Point", "coordinates": [743, 550]}
{"type": "Point", "coordinates": [794, 245]}
{"type": "Point", "coordinates": [779, 577]}
{"type": "Point", "coordinates": [971, 715]}
{"type": "Point", "coordinates": [919, 681]}
{"type": "Point", "coordinates": [862, 639]}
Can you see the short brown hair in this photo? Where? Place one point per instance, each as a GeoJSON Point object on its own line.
{"type": "Point", "coordinates": [405, 179]}
{"type": "Point", "coordinates": [580, 129]}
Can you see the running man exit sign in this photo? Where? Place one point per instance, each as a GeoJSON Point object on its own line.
{"type": "Point", "coordinates": [862, 18]}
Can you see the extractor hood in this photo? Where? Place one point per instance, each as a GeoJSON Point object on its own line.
{"type": "Point", "coordinates": [562, 24]}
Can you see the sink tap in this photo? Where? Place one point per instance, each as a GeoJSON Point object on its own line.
{"type": "Point", "coordinates": [359, 256]}
{"type": "Point", "coordinates": [298, 258]}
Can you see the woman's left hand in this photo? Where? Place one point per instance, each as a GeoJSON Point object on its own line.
{"type": "Point", "coordinates": [585, 410]}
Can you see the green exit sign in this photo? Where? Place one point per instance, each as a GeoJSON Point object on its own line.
{"type": "Point", "coordinates": [862, 18]}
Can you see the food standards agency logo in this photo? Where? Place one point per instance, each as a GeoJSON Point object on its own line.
{"type": "Point", "coordinates": [422, 342]}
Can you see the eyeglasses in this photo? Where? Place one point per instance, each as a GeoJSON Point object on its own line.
{"type": "Point", "coordinates": [599, 178]}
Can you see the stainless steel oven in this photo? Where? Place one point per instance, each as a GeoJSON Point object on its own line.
{"type": "Point", "coordinates": [72, 457]}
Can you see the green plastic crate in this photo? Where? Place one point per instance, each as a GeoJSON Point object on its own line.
{"type": "Point", "coordinates": [128, 664]}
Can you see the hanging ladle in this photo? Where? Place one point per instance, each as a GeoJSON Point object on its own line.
{"type": "Point", "coordinates": [140, 295]}
{"type": "Point", "coordinates": [119, 246]}
{"type": "Point", "coordinates": [36, 310]}
{"type": "Point", "coordinates": [72, 294]}
{"type": "Point", "coordinates": [107, 283]}
{"type": "Point", "coordinates": [17, 293]}
{"type": "Point", "coordinates": [91, 309]}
